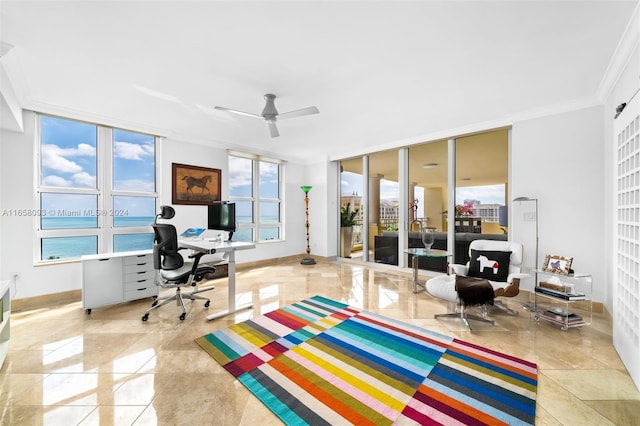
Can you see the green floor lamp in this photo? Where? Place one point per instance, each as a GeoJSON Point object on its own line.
{"type": "Point", "coordinates": [307, 260]}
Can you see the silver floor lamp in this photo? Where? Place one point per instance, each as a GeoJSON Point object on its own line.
{"type": "Point", "coordinates": [534, 218]}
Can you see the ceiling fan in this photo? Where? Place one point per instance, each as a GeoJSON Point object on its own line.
{"type": "Point", "coordinates": [270, 113]}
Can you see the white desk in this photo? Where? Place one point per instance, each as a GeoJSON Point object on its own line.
{"type": "Point", "coordinates": [230, 249]}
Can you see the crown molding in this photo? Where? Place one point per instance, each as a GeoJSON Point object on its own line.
{"type": "Point", "coordinates": [621, 56]}
{"type": "Point", "coordinates": [559, 108]}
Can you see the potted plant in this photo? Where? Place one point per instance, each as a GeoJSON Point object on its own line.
{"type": "Point", "coordinates": [347, 220]}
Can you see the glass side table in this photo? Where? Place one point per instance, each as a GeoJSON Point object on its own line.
{"type": "Point", "coordinates": [417, 253]}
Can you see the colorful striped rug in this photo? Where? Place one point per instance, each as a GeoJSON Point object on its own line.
{"type": "Point", "coordinates": [322, 362]}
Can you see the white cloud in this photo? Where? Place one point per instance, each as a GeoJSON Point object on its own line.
{"type": "Point", "coordinates": [52, 159]}
{"type": "Point", "coordinates": [135, 185]}
{"type": "Point", "coordinates": [389, 190]}
{"type": "Point", "coordinates": [54, 180]}
{"type": "Point", "coordinates": [85, 150]}
{"type": "Point", "coordinates": [84, 179]}
{"type": "Point", "coordinates": [488, 194]}
{"type": "Point", "coordinates": [132, 151]}
{"type": "Point", "coordinates": [242, 175]}
{"type": "Point", "coordinates": [57, 158]}
{"type": "Point", "coordinates": [237, 181]}
{"type": "Point", "coordinates": [268, 169]}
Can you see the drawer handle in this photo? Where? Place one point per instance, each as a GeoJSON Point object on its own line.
{"type": "Point", "coordinates": [141, 281]}
{"type": "Point", "coordinates": [141, 272]}
{"type": "Point", "coordinates": [140, 264]}
{"type": "Point", "coordinates": [141, 289]}
{"type": "Point", "coordinates": [103, 260]}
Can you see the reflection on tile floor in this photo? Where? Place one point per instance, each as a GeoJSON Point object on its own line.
{"type": "Point", "coordinates": [65, 367]}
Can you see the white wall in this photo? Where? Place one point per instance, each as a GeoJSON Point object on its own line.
{"type": "Point", "coordinates": [558, 160]}
{"type": "Point", "coordinates": [323, 208]}
{"type": "Point", "coordinates": [177, 151]}
{"type": "Point", "coordinates": [16, 233]}
{"type": "Point", "coordinates": [16, 241]}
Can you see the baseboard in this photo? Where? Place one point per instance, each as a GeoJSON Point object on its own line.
{"type": "Point", "coordinates": [279, 260]}
{"type": "Point", "coordinates": [28, 303]}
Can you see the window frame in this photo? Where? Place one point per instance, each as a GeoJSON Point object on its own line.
{"type": "Point", "coordinates": [256, 225]}
{"type": "Point", "coordinates": [105, 231]}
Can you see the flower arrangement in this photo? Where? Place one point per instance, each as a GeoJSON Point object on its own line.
{"type": "Point", "coordinates": [464, 210]}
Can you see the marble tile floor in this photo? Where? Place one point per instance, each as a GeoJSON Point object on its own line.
{"type": "Point", "coordinates": [66, 367]}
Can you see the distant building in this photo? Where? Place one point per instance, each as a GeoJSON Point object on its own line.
{"type": "Point", "coordinates": [488, 212]}
{"type": "Point", "coordinates": [356, 204]}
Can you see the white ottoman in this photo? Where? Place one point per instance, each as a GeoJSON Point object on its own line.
{"type": "Point", "coordinates": [443, 287]}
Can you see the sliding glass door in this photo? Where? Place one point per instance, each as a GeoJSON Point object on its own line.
{"type": "Point", "coordinates": [480, 187]}
{"type": "Point", "coordinates": [428, 194]}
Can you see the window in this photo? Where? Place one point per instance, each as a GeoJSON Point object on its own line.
{"type": "Point", "coordinates": [96, 189]}
{"type": "Point", "coordinates": [255, 185]}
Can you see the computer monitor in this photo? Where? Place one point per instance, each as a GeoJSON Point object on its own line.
{"type": "Point", "coordinates": [222, 217]}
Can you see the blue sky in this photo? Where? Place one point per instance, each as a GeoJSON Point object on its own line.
{"type": "Point", "coordinates": [68, 160]}
{"type": "Point", "coordinates": [491, 194]}
{"type": "Point", "coordinates": [240, 185]}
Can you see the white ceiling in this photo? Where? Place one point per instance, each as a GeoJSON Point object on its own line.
{"type": "Point", "coordinates": [379, 72]}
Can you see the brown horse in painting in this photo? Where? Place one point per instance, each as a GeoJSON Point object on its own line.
{"type": "Point", "coordinates": [201, 183]}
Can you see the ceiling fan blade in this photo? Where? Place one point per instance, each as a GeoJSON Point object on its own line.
{"type": "Point", "coordinates": [273, 129]}
{"type": "Point", "coordinates": [235, 111]}
{"type": "Point", "coordinates": [298, 113]}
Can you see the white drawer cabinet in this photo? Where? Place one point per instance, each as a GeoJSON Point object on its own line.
{"type": "Point", "coordinates": [113, 278]}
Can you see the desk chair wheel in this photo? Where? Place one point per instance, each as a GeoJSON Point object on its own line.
{"type": "Point", "coordinates": [145, 317]}
{"type": "Point", "coordinates": [182, 316]}
{"type": "Point", "coordinates": [206, 304]}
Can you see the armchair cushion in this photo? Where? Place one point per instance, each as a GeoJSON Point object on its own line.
{"type": "Point", "coordinates": [489, 264]}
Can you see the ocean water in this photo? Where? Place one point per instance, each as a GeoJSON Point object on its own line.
{"type": "Point", "coordinates": [71, 222]}
{"type": "Point", "coordinates": [72, 247]}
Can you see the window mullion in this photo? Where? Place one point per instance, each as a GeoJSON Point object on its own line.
{"type": "Point", "coordinates": [105, 199]}
{"type": "Point", "coordinates": [255, 185]}
{"type": "Point", "coordinates": [280, 201]}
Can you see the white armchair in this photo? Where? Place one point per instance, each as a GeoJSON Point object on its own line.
{"type": "Point", "coordinates": [505, 271]}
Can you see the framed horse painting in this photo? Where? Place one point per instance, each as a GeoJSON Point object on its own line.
{"type": "Point", "coordinates": [195, 185]}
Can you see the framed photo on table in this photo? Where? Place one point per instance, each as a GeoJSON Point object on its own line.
{"type": "Point", "coordinates": [557, 264]}
{"type": "Point", "coordinates": [194, 185]}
